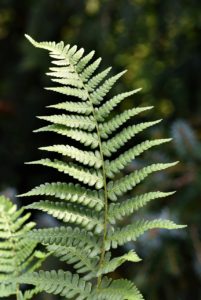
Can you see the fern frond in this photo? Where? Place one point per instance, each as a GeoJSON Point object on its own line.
{"type": "Point", "coordinates": [89, 158]}
{"type": "Point", "coordinates": [135, 230]}
{"type": "Point", "coordinates": [70, 213]}
{"type": "Point", "coordinates": [86, 138]}
{"type": "Point", "coordinates": [118, 211]}
{"type": "Point", "coordinates": [59, 283]}
{"type": "Point", "coordinates": [11, 225]}
{"type": "Point", "coordinates": [121, 186]}
{"type": "Point", "coordinates": [87, 176]}
{"type": "Point", "coordinates": [116, 165]}
{"type": "Point", "coordinates": [113, 144]}
{"type": "Point", "coordinates": [73, 121]}
{"type": "Point", "coordinates": [86, 244]}
{"type": "Point", "coordinates": [17, 254]}
{"type": "Point", "coordinates": [69, 192]}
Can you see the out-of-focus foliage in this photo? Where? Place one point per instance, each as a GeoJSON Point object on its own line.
{"type": "Point", "coordinates": [159, 43]}
{"type": "Point", "coordinates": [177, 274]}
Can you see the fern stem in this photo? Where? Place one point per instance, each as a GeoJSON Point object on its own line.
{"type": "Point", "coordinates": [18, 293]}
{"type": "Point", "coordinates": [105, 219]}
{"type": "Point", "coordinates": [102, 256]}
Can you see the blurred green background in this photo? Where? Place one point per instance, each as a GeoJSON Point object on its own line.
{"type": "Point", "coordinates": [159, 43]}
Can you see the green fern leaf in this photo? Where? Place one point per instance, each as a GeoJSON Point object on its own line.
{"type": "Point", "coordinates": [116, 165]}
{"type": "Point", "coordinates": [11, 224]}
{"type": "Point", "coordinates": [86, 176]}
{"type": "Point", "coordinates": [118, 211]}
{"type": "Point", "coordinates": [124, 136]}
{"type": "Point", "coordinates": [89, 158]}
{"type": "Point", "coordinates": [109, 127]}
{"type": "Point", "coordinates": [73, 50]}
{"type": "Point", "coordinates": [77, 56]}
{"type": "Point", "coordinates": [60, 73]}
{"type": "Point", "coordinates": [70, 192]}
{"type": "Point", "coordinates": [86, 138]}
{"type": "Point", "coordinates": [111, 265]}
{"type": "Point", "coordinates": [45, 45]}
{"type": "Point", "coordinates": [103, 111]}
{"type": "Point", "coordinates": [70, 213]}
{"type": "Point", "coordinates": [117, 290]}
{"type": "Point", "coordinates": [7, 289]}
{"type": "Point", "coordinates": [88, 72]}
{"type": "Point", "coordinates": [84, 61]}
{"type": "Point", "coordinates": [73, 121]}
{"type": "Point", "coordinates": [121, 186]}
{"type": "Point", "coordinates": [133, 231]}
{"type": "Point", "coordinates": [78, 107]}
{"type": "Point", "coordinates": [69, 91]}
{"type": "Point", "coordinates": [66, 236]}
{"type": "Point", "coordinates": [95, 80]}
{"type": "Point", "coordinates": [59, 283]}
{"type": "Point", "coordinates": [68, 81]}
{"type": "Point", "coordinates": [17, 254]}
{"type": "Point", "coordinates": [83, 261]}
{"type": "Point", "coordinates": [98, 95]}
{"type": "Point", "coordinates": [85, 245]}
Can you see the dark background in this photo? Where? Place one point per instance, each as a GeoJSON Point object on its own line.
{"type": "Point", "coordinates": [159, 42]}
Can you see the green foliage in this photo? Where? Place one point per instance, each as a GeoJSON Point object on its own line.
{"type": "Point", "coordinates": [117, 290]}
{"type": "Point", "coordinates": [152, 49]}
{"type": "Point", "coordinates": [88, 206]}
{"type": "Point", "coordinates": [18, 255]}
{"type": "Point", "coordinates": [62, 283]}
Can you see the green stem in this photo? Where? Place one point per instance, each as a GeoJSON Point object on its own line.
{"type": "Point", "coordinates": [105, 218]}
{"type": "Point", "coordinates": [17, 292]}
{"type": "Point", "coordinates": [102, 256]}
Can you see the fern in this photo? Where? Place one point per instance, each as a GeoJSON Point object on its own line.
{"type": "Point", "coordinates": [17, 254]}
{"type": "Point", "coordinates": [94, 201]}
